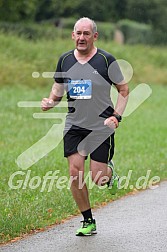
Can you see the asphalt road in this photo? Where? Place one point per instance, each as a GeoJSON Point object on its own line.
{"type": "Point", "coordinates": [135, 223]}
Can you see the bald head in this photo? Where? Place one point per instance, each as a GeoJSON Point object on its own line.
{"type": "Point", "coordinates": [88, 21]}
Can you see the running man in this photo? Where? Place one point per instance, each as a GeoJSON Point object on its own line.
{"type": "Point", "coordinates": [91, 120]}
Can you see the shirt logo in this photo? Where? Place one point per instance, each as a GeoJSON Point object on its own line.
{"type": "Point", "coordinates": [95, 71]}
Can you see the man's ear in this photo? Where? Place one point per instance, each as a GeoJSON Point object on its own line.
{"type": "Point", "coordinates": [96, 36]}
{"type": "Point", "coordinates": [72, 35]}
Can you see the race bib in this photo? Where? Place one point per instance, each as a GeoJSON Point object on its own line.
{"type": "Point", "coordinates": [80, 89]}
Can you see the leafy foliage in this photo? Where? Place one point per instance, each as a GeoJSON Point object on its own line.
{"type": "Point", "coordinates": [144, 11]}
{"type": "Point", "coordinates": [135, 32]}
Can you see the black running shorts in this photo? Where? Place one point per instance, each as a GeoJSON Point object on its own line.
{"type": "Point", "coordinates": [103, 153]}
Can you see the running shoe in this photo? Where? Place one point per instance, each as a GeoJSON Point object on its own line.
{"type": "Point", "coordinates": [113, 183]}
{"type": "Point", "coordinates": [88, 228]}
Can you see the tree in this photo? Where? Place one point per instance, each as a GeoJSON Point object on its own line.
{"type": "Point", "coordinates": [19, 10]}
{"type": "Point", "coordinates": [151, 12]}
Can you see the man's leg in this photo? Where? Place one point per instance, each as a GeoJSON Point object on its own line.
{"type": "Point", "coordinates": [105, 174]}
{"type": "Point", "coordinates": [100, 172]}
{"type": "Point", "coordinates": [101, 166]}
{"type": "Point", "coordinates": [80, 194]}
{"type": "Point", "coordinates": [76, 167]}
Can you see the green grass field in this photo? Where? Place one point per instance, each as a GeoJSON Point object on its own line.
{"type": "Point", "coordinates": [140, 139]}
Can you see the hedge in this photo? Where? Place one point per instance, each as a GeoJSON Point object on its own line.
{"type": "Point", "coordinates": [136, 33]}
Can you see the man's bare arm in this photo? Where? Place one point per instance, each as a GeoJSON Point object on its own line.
{"type": "Point", "coordinates": [55, 97]}
{"type": "Point", "coordinates": [123, 92]}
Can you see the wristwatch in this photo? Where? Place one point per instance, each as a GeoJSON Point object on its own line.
{"type": "Point", "coordinates": [118, 117]}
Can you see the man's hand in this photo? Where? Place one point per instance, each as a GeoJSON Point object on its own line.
{"type": "Point", "coordinates": [47, 104]}
{"type": "Point", "coordinates": [111, 122]}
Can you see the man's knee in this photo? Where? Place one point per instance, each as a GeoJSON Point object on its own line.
{"type": "Point", "coordinates": [76, 171]}
{"type": "Point", "coordinates": [99, 178]}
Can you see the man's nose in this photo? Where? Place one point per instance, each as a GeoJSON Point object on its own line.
{"type": "Point", "coordinates": [81, 36]}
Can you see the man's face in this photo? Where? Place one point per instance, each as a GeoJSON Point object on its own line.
{"type": "Point", "coordinates": [84, 36]}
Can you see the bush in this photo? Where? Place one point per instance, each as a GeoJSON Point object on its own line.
{"type": "Point", "coordinates": [68, 23]}
{"type": "Point", "coordinates": [106, 30]}
{"type": "Point", "coordinates": [136, 33]}
{"type": "Point", "coordinates": [160, 37]}
{"type": "Point", "coordinates": [34, 31]}
{"type": "Point", "coordinates": [133, 32]}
